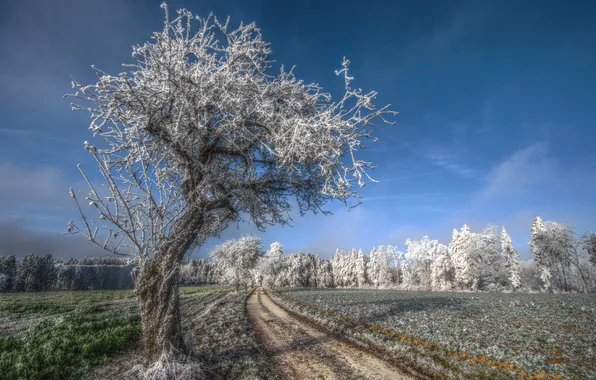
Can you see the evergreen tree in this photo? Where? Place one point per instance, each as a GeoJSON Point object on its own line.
{"type": "Point", "coordinates": [8, 269]}
{"type": "Point", "coordinates": [460, 250]}
{"type": "Point", "coordinates": [361, 269]}
{"type": "Point", "coordinates": [539, 246]}
{"type": "Point", "coordinates": [511, 259]}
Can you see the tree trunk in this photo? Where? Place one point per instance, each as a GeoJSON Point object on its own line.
{"type": "Point", "coordinates": [564, 277]}
{"type": "Point", "coordinates": [159, 304]}
{"type": "Point", "coordinates": [157, 289]}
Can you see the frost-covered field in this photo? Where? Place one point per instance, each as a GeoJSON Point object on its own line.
{"type": "Point", "coordinates": [490, 334]}
{"type": "Point", "coordinates": [95, 334]}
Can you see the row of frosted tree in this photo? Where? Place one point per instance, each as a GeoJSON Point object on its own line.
{"type": "Point", "coordinates": [38, 273]}
{"type": "Point", "coordinates": [35, 273]}
{"type": "Point", "coordinates": [485, 261]}
{"type": "Point", "coordinates": [472, 261]}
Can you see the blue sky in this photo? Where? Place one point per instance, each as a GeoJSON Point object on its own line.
{"type": "Point", "coordinates": [496, 100]}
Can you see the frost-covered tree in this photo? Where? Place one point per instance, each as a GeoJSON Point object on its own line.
{"type": "Point", "coordinates": [487, 256]}
{"type": "Point", "coordinates": [302, 269]}
{"type": "Point", "coordinates": [361, 260]}
{"type": "Point", "coordinates": [560, 242]}
{"type": "Point", "coordinates": [325, 275]}
{"type": "Point", "coordinates": [460, 250]}
{"type": "Point", "coordinates": [441, 269]}
{"type": "Point", "coordinates": [568, 257]}
{"type": "Point", "coordinates": [189, 272]}
{"type": "Point", "coordinates": [476, 258]}
{"type": "Point", "coordinates": [8, 271]}
{"type": "Point", "coordinates": [407, 274]}
{"type": "Point", "coordinates": [352, 267]}
{"type": "Point", "coordinates": [339, 264]}
{"type": "Point", "coordinates": [557, 255]}
{"type": "Point", "coordinates": [236, 259]}
{"type": "Point", "coordinates": [379, 266]}
{"type": "Point", "coordinates": [539, 247]}
{"type": "Point", "coordinates": [345, 269]}
{"type": "Point", "coordinates": [590, 243]}
{"type": "Point", "coordinates": [206, 273]}
{"type": "Point", "coordinates": [297, 271]}
{"type": "Point", "coordinates": [35, 273]}
{"type": "Point", "coordinates": [511, 259]}
{"type": "Point", "coordinates": [199, 132]}
{"type": "Point", "coordinates": [420, 255]}
{"type": "Point", "coordinates": [270, 265]}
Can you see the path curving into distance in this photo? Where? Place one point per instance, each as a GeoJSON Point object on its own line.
{"type": "Point", "coordinates": [303, 352]}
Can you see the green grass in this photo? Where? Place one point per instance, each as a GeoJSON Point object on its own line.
{"type": "Point", "coordinates": [210, 289]}
{"type": "Point", "coordinates": [67, 346]}
{"type": "Point", "coordinates": [34, 307]}
{"type": "Point", "coordinates": [62, 335]}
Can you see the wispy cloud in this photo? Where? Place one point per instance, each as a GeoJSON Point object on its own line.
{"type": "Point", "coordinates": [464, 22]}
{"type": "Point", "coordinates": [441, 156]}
{"type": "Point", "coordinates": [421, 197]}
{"type": "Point", "coordinates": [447, 161]}
{"type": "Point", "coordinates": [522, 170]}
{"type": "Point", "coordinates": [411, 176]}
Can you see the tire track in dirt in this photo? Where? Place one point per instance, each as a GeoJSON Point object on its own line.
{"type": "Point", "coordinates": [303, 352]}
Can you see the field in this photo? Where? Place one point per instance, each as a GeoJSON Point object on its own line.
{"type": "Point", "coordinates": [73, 335]}
{"type": "Point", "coordinates": [96, 334]}
{"type": "Point", "coordinates": [462, 334]}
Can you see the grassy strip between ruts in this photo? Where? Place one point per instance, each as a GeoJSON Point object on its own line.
{"type": "Point", "coordinates": [424, 356]}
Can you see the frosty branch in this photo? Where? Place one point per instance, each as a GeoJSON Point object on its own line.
{"type": "Point", "coordinates": [198, 127]}
{"type": "Point", "coordinates": [196, 135]}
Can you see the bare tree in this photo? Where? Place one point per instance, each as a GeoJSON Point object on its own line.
{"type": "Point", "coordinates": [197, 134]}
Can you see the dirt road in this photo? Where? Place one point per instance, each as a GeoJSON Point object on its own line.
{"type": "Point", "coordinates": [302, 352]}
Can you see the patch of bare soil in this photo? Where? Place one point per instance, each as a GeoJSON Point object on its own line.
{"type": "Point", "coordinates": [303, 352]}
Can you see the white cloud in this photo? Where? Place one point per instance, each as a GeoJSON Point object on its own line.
{"type": "Point", "coordinates": [446, 161]}
{"type": "Point", "coordinates": [519, 172]}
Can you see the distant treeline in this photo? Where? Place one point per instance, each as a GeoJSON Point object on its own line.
{"type": "Point", "coordinates": [38, 273]}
